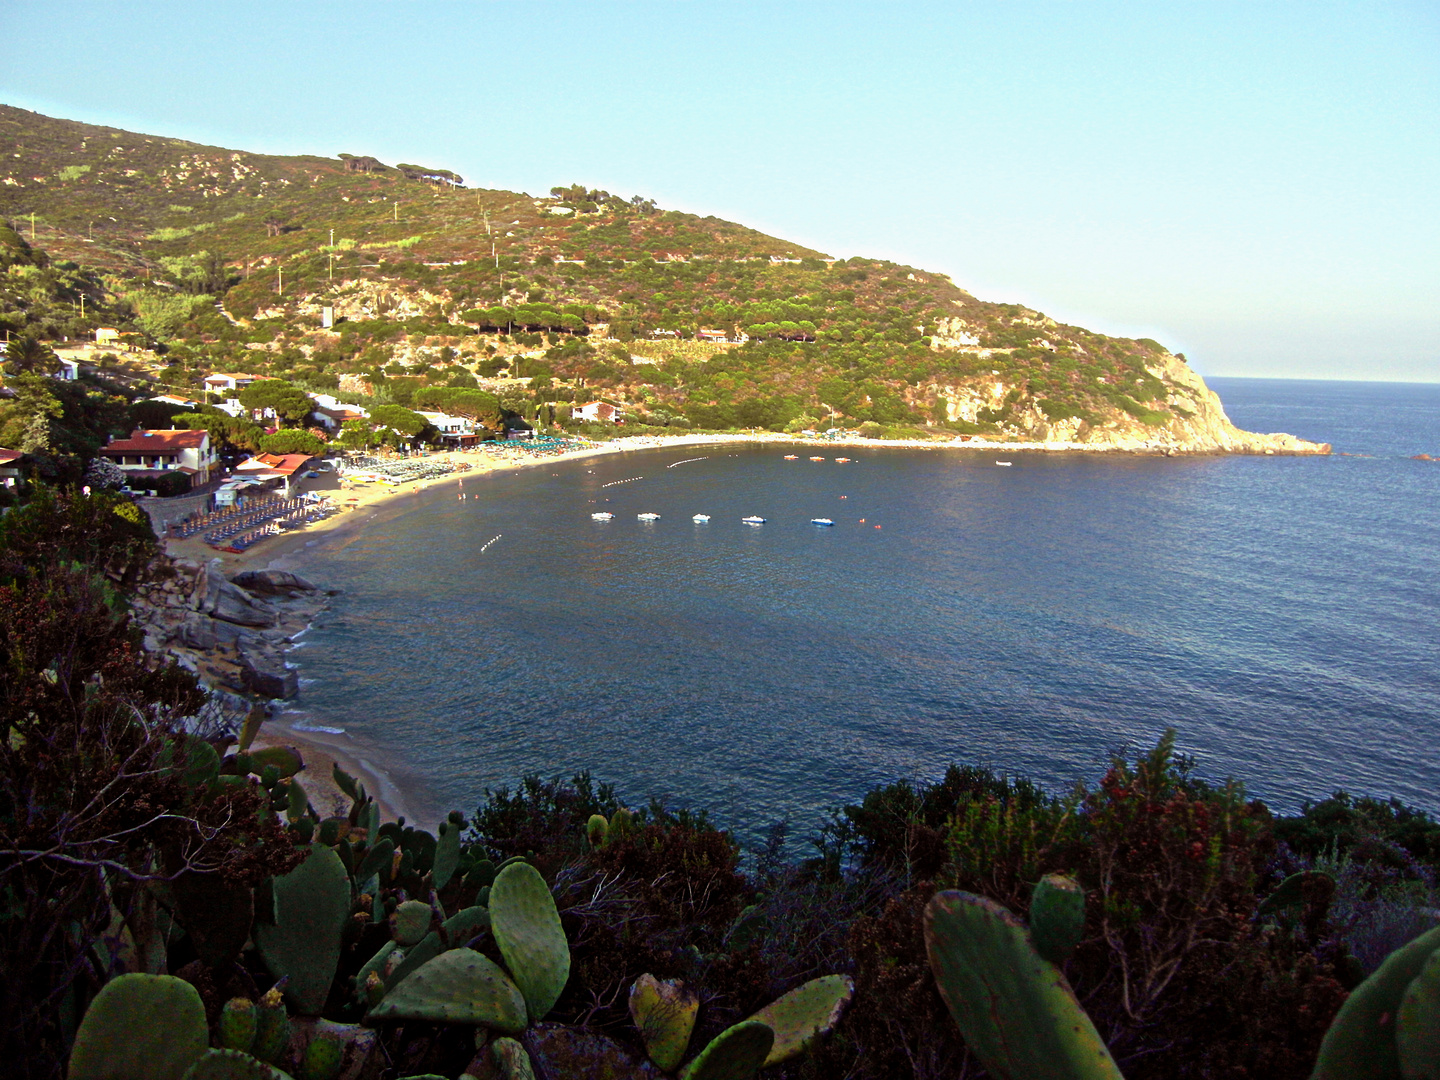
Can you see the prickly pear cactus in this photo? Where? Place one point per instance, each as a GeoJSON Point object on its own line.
{"type": "Point", "coordinates": [140, 1027]}
{"type": "Point", "coordinates": [232, 1065]}
{"type": "Point", "coordinates": [1362, 1037]}
{"type": "Point", "coordinates": [457, 987]}
{"type": "Point", "coordinates": [735, 1054]}
{"type": "Point", "coordinates": [1057, 917]}
{"type": "Point", "coordinates": [595, 830]}
{"type": "Point", "coordinates": [1014, 1008]}
{"type": "Point", "coordinates": [527, 929]}
{"type": "Point", "coordinates": [805, 1014]}
{"type": "Point", "coordinates": [237, 1025]}
{"type": "Point", "coordinates": [312, 904]}
{"type": "Point", "coordinates": [411, 922]}
{"type": "Point", "coordinates": [447, 849]}
{"type": "Point", "coordinates": [1417, 1029]}
{"type": "Point", "coordinates": [511, 1059]}
{"type": "Point", "coordinates": [323, 1055]}
{"type": "Point", "coordinates": [272, 1026]}
{"type": "Point", "coordinates": [664, 1013]}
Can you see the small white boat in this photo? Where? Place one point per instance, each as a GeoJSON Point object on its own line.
{"type": "Point", "coordinates": [647, 517]}
{"type": "Point", "coordinates": [821, 521]}
{"type": "Point", "coordinates": [753, 520]}
{"type": "Point", "coordinates": [1006, 464]}
{"type": "Point", "coordinates": [817, 459]}
{"type": "Point", "coordinates": [841, 460]}
{"type": "Point", "coordinates": [601, 516]}
{"type": "Point", "coordinates": [791, 457]}
{"type": "Point", "coordinates": [700, 518]}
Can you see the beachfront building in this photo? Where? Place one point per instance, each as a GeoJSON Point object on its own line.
{"type": "Point", "coordinates": [10, 467]}
{"type": "Point", "coordinates": [457, 431]}
{"type": "Point", "coordinates": [597, 412]}
{"type": "Point", "coordinates": [153, 453]}
{"type": "Point", "coordinates": [332, 414]}
{"type": "Point", "coordinates": [276, 470]}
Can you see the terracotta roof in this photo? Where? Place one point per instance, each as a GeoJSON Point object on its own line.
{"type": "Point", "coordinates": [283, 464]}
{"type": "Point", "coordinates": [150, 442]}
{"type": "Point", "coordinates": [7, 456]}
{"type": "Point", "coordinates": [228, 375]}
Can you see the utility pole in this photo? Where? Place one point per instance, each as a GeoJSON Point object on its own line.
{"type": "Point", "coordinates": [282, 281]}
{"type": "Point", "coordinates": [397, 209]}
{"type": "Point", "coordinates": [32, 226]}
{"type": "Point", "coordinates": [82, 305]}
{"type": "Point", "coordinates": [332, 238]}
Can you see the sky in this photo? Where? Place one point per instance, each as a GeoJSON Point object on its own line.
{"type": "Point", "coordinates": [1254, 184]}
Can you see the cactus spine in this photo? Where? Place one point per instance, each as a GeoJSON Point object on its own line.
{"type": "Point", "coordinates": [1015, 1009]}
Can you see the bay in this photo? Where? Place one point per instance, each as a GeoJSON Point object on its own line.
{"type": "Point", "coordinates": [1279, 612]}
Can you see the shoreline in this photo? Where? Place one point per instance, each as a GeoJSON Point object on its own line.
{"type": "Point", "coordinates": [305, 549]}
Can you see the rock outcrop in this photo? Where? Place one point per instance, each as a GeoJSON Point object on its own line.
{"type": "Point", "coordinates": [233, 633]}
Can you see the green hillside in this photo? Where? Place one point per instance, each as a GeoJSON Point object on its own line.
{"type": "Point", "coordinates": [224, 259]}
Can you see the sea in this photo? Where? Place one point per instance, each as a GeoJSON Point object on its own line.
{"type": "Point", "coordinates": [1035, 613]}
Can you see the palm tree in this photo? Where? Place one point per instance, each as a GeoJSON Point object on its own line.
{"type": "Point", "coordinates": [26, 355]}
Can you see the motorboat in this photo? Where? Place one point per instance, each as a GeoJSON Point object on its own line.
{"type": "Point", "coordinates": [601, 516]}
{"type": "Point", "coordinates": [700, 519]}
{"type": "Point", "coordinates": [647, 517]}
{"type": "Point", "coordinates": [792, 457]}
{"type": "Point", "coordinates": [753, 520]}
{"type": "Point", "coordinates": [817, 459]}
{"type": "Point", "coordinates": [841, 460]}
{"type": "Point", "coordinates": [821, 521]}
{"type": "Point", "coordinates": [1005, 464]}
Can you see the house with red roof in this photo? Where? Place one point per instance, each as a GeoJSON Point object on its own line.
{"type": "Point", "coordinates": [153, 453]}
{"type": "Point", "coordinates": [10, 467]}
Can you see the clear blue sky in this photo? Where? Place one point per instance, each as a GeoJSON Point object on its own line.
{"type": "Point", "coordinates": [1255, 184]}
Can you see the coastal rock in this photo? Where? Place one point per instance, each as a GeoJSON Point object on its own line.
{"type": "Point", "coordinates": [197, 632]}
{"type": "Point", "coordinates": [272, 581]}
{"type": "Point", "coordinates": [228, 602]}
{"type": "Point", "coordinates": [560, 1052]}
{"type": "Point", "coordinates": [269, 678]}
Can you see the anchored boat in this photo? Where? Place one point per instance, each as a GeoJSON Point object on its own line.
{"type": "Point", "coordinates": [821, 521]}
{"type": "Point", "coordinates": [647, 517]}
{"type": "Point", "coordinates": [753, 520]}
{"type": "Point", "coordinates": [602, 516]}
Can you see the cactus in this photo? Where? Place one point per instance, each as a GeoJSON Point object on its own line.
{"type": "Point", "coordinates": [1362, 1037]}
{"type": "Point", "coordinates": [458, 929]}
{"type": "Point", "coordinates": [295, 802]}
{"type": "Point", "coordinates": [237, 1025]}
{"type": "Point", "coordinates": [232, 1065]}
{"type": "Point", "coordinates": [373, 966]}
{"type": "Point", "coordinates": [253, 721]}
{"type": "Point", "coordinates": [735, 1054]}
{"type": "Point", "coordinates": [622, 823]}
{"type": "Point", "coordinates": [595, 830]}
{"type": "Point", "coordinates": [377, 861]}
{"type": "Point", "coordinates": [1057, 917]}
{"type": "Point", "coordinates": [272, 1026]}
{"type": "Point", "coordinates": [527, 929]}
{"type": "Point", "coordinates": [411, 922]}
{"type": "Point", "coordinates": [665, 1014]}
{"type": "Point", "coordinates": [322, 1058]}
{"type": "Point", "coordinates": [1015, 1009]}
{"type": "Point", "coordinates": [511, 1059]}
{"type": "Point", "coordinates": [447, 850]}
{"type": "Point", "coordinates": [140, 1027]}
{"type": "Point", "coordinates": [1417, 1028]}
{"type": "Point", "coordinates": [312, 905]}
{"type": "Point", "coordinates": [458, 987]}
{"type": "Point", "coordinates": [285, 759]}
{"type": "Point", "coordinates": [804, 1015]}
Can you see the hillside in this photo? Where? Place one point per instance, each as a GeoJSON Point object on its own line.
{"type": "Point", "coordinates": [224, 260]}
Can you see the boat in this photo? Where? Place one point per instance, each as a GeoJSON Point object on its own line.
{"type": "Point", "coordinates": [1006, 464]}
{"type": "Point", "coordinates": [601, 516]}
{"type": "Point", "coordinates": [753, 520]}
{"type": "Point", "coordinates": [841, 460]}
{"type": "Point", "coordinates": [817, 459]}
{"type": "Point", "coordinates": [821, 521]}
{"type": "Point", "coordinates": [792, 457]}
{"type": "Point", "coordinates": [647, 517]}
{"type": "Point", "coordinates": [700, 518]}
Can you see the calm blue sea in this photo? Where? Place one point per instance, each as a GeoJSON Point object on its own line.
{"type": "Point", "coordinates": [1282, 613]}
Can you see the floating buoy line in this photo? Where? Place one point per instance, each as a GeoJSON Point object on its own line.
{"type": "Point", "coordinates": [630, 480]}
{"type": "Point", "coordinates": [490, 541]}
{"type": "Point", "coordinates": [687, 461]}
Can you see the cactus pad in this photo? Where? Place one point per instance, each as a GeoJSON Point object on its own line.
{"type": "Point", "coordinates": [322, 1058]}
{"type": "Point", "coordinates": [272, 1026]}
{"type": "Point", "coordinates": [232, 1065]}
{"type": "Point", "coordinates": [1057, 917]}
{"type": "Point", "coordinates": [1417, 1028]}
{"type": "Point", "coordinates": [411, 922]}
{"type": "Point", "coordinates": [1014, 1008]}
{"type": "Point", "coordinates": [457, 987]}
{"type": "Point", "coordinates": [664, 1012]}
{"type": "Point", "coordinates": [735, 1054]}
{"type": "Point", "coordinates": [527, 929]}
{"type": "Point", "coordinates": [312, 904]}
{"type": "Point", "coordinates": [1361, 1038]}
{"type": "Point", "coordinates": [511, 1059]}
{"type": "Point", "coordinates": [447, 850]}
{"type": "Point", "coordinates": [237, 1025]}
{"type": "Point", "coordinates": [140, 1027]}
{"type": "Point", "coordinates": [804, 1014]}
{"type": "Point", "coordinates": [595, 829]}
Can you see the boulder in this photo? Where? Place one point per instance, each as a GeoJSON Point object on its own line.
{"type": "Point", "coordinates": [228, 602]}
{"type": "Point", "coordinates": [197, 631]}
{"type": "Point", "coordinates": [272, 581]}
{"type": "Point", "coordinates": [269, 678]}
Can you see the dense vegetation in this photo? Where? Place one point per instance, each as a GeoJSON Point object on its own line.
{"type": "Point", "coordinates": [223, 260]}
{"type": "Point", "coordinates": [124, 807]}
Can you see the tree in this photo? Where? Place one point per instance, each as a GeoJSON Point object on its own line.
{"type": "Point", "coordinates": [27, 355]}
{"type": "Point", "coordinates": [292, 442]}
{"type": "Point", "coordinates": [288, 402]}
{"type": "Point", "coordinates": [400, 418]}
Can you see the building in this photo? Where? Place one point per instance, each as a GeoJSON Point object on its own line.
{"type": "Point", "coordinates": [151, 453]}
{"type": "Point", "coordinates": [332, 414]}
{"type": "Point", "coordinates": [69, 370]}
{"type": "Point", "coordinates": [220, 382]}
{"type": "Point", "coordinates": [712, 335]}
{"type": "Point", "coordinates": [107, 335]}
{"type": "Point", "coordinates": [10, 467]}
{"type": "Point", "coordinates": [597, 412]}
{"type": "Point", "coordinates": [454, 430]}
{"type": "Point", "coordinates": [285, 470]}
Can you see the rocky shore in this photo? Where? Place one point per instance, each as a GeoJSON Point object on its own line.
{"type": "Point", "coordinates": [233, 632]}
